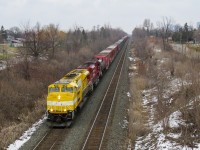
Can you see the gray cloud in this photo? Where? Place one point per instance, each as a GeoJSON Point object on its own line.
{"type": "Point", "coordinates": [125, 14]}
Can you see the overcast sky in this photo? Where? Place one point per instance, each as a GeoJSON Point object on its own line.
{"type": "Point", "coordinates": [125, 14]}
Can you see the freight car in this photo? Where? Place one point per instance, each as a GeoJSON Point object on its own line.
{"type": "Point", "coordinates": [114, 49]}
{"type": "Point", "coordinates": [120, 44]}
{"type": "Point", "coordinates": [67, 95]}
{"type": "Point", "coordinates": [110, 53]}
{"type": "Point", "coordinates": [104, 59]}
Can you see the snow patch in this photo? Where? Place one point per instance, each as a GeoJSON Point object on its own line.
{"type": "Point", "coordinates": [131, 74]}
{"type": "Point", "coordinates": [2, 65]}
{"type": "Point", "coordinates": [26, 135]}
{"type": "Point", "coordinates": [128, 94]}
{"type": "Point", "coordinates": [124, 123]}
{"type": "Point", "coordinates": [131, 59]}
{"type": "Point", "coordinates": [175, 119]}
{"type": "Point", "coordinates": [157, 50]}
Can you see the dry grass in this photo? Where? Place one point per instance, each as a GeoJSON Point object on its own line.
{"type": "Point", "coordinates": [10, 133]}
{"type": "Point", "coordinates": [137, 116]}
{"type": "Point", "coordinates": [14, 130]}
{"type": "Point", "coordinates": [194, 47]}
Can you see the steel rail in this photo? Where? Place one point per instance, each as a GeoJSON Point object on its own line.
{"type": "Point", "coordinates": [51, 139]}
{"type": "Point", "coordinates": [112, 104]}
{"type": "Point", "coordinates": [40, 141]}
{"type": "Point", "coordinates": [86, 143]}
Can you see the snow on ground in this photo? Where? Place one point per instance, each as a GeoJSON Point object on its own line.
{"type": "Point", "coordinates": [157, 50]}
{"type": "Point", "coordinates": [131, 59]}
{"type": "Point", "coordinates": [156, 139]}
{"type": "Point", "coordinates": [135, 59]}
{"type": "Point", "coordinates": [128, 94]}
{"type": "Point", "coordinates": [26, 135]}
{"type": "Point", "coordinates": [124, 123]}
{"type": "Point", "coordinates": [175, 119]}
{"type": "Point", "coordinates": [2, 65]}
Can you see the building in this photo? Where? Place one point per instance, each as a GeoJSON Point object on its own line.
{"type": "Point", "coordinates": [16, 43]}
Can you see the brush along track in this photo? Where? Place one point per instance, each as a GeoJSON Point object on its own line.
{"type": "Point", "coordinates": [97, 131]}
{"type": "Point", "coordinates": [52, 140]}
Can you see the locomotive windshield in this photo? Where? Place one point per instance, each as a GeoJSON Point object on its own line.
{"type": "Point", "coordinates": [67, 89]}
{"type": "Point", "coordinates": [54, 89]}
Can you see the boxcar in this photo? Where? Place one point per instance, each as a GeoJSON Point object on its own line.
{"type": "Point", "coordinates": [104, 59]}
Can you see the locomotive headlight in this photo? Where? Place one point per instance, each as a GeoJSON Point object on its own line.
{"type": "Point", "coordinates": [51, 110]}
{"type": "Point", "coordinates": [59, 97]}
{"type": "Point", "coordinates": [65, 110]}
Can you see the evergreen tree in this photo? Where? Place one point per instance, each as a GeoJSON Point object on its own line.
{"type": "Point", "coordinates": [3, 33]}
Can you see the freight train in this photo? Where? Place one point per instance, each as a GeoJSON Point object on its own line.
{"type": "Point", "coordinates": [67, 95]}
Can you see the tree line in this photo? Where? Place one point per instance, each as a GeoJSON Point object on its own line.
{"type": "Point", "coordinates": [168, 31]}
{"type": "Point", "coordinates": [46, 40]}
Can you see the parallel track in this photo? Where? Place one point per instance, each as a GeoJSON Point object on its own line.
{"type": "Point", "coordinates": [52, 140]}
{"type": "Point", "coordinates": [97, 131]}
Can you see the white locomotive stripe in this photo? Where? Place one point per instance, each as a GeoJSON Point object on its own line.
{"type": "Point", "coordinates": [65, 103]}
{"type": "Point", "coordinates": [60, 103]}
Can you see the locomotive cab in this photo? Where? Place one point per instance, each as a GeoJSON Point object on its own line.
{"type": "Point", "coordinates": [65, 96]}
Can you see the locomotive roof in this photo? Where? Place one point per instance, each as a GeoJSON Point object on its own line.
{"type": "Point", "coordinates": [120, 40]}
{"type": "Point", "coordinates": [63, 81]}
{"type": "Point", "coordinates": [75, 73]}
{"type": "Point", "coordinates": [106, 51]}
{"type": "Point", "coordinates": [102, 54]}
{"type": "Point", "coordinates": [112, 46]}
{"type": "Point", "coordinates": [68, 78]}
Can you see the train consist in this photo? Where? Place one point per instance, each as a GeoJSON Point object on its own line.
{"type": "Point", "coordinates": [67, 95]}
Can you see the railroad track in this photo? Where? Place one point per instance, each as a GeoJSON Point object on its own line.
{"type": "Point", "coordinates": [95, 137]}
{"type": "Point", "coordinates": [52, 139]}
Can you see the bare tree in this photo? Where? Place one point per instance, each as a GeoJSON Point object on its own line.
{"type": "Point", "coordinates": [165, 27]}
{"type": "Point", "coordinates": [52, 37]}
{"type": "Point", "coordinates": [34, 43]}
{"type": "Point", "coordinates": [16, 32]}
{"type": "Point", "coordinates": [147, 25]}
{"type": "Point", "coordinates": [140, 43]}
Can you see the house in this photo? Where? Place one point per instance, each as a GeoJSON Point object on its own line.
{"type": "Point", "coordinates": [16, 43]}
{"type": "Point", "coordinates": [10, 38]}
